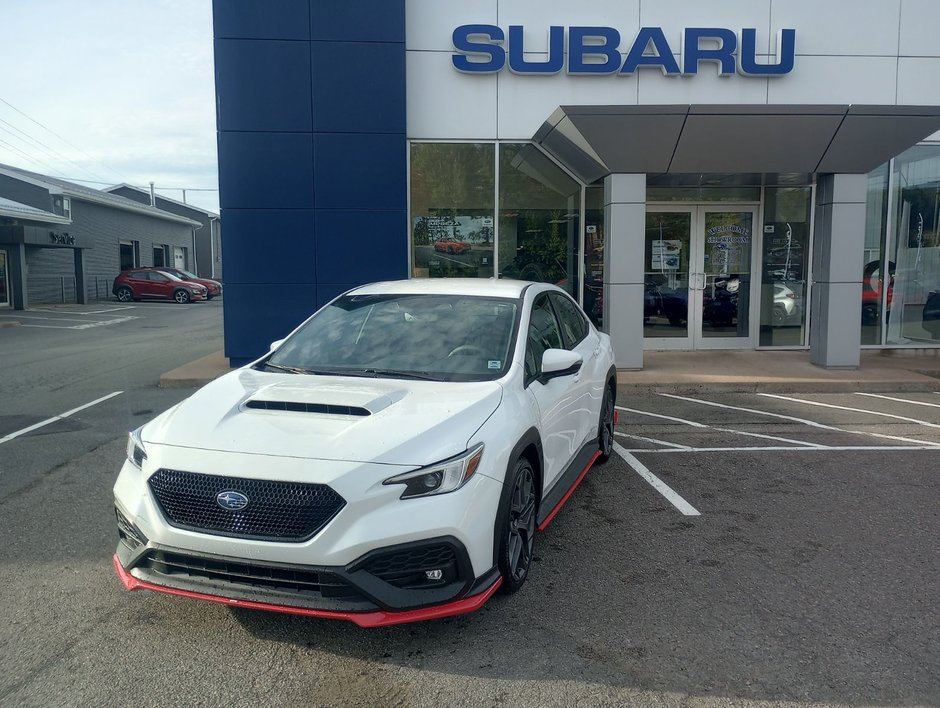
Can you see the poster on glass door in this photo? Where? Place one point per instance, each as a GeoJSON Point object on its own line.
{"type": "Point", "coordinates": [665, 254]}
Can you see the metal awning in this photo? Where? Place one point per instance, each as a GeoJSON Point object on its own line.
{"type": "Point", "coordinates": [594, 141]}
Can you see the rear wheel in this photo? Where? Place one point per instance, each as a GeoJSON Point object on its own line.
{"type": "Point", "coordinates": [605, 430]}
{"type": "Point", "coordinates": [181, 296]}
{"type": "Point", "coordinates": [517, 527]}
{"type": "Point", "coordinates": [125, 294]}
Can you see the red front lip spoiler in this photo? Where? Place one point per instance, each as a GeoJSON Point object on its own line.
{"type": "Point", "coordinates": [377, 618]}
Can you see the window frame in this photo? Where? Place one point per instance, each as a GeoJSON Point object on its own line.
{"type": "Point", "coordinates": [585, 327]}
{"type": "Point", "coordinates": [527, 378]}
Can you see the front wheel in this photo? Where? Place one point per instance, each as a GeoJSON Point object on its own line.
{"type": "Point", "coordinates": [605, 429]}
{"type": "Point", "coordinates": [517, 527]}
{"type": "Point", "coordinates": [181, 296]}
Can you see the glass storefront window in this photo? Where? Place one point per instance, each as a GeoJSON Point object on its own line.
{"type": "Point", "coordinates": [453, 188]}
{"type": "Point", "coordinates": [539, 218]}
{"type": "Point", "coordinates": [594, 254]}
{"type": "Point", "coordinates": [914, 316]}
{"type": "Point", "coordinates": [784, 266]}
{"type": "Point", "coordinates": [874, 283]}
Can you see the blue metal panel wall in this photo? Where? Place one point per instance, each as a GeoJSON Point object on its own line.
{"type": "Point", "coordinates": [312, 157]}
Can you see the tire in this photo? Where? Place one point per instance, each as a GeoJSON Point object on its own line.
{"type": "Point", "coordinates": [779, 317]}
{"type": "Point", "coordinates": [209, 297]}
{"type": "Point", "coordinates": [605, 429]}
{"type": "Point", "coordinates": [124, 294]}
{"type": "Point", "coordinates": [869, 314]}
{"type": "Point", "coordinates": [517, 526]}
{"type": "Point", "coordinates": [181, 296]}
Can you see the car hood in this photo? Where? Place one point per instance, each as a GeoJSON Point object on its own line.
{"type": "Point", "coordinates": [388, 421]}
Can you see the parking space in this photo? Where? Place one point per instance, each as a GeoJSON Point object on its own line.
{"type": "Point", "coordinates": [93, 316]}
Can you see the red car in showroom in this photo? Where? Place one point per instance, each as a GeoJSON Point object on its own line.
{"type": "Point", "coordinates": [155, 284]}
{"type": "Point", "coordinates": [451, 246]}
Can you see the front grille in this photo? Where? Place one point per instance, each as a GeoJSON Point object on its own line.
{"type": "Point", "coordinates": [275, 511]}
{"type": "Point", "coordinates": [249, 575]}
{"type": "Point", "coordinates": [406, 568]}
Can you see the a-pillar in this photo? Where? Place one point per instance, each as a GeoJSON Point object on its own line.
{"type": "Point", "coordinates": [625, 219]}
{"type": "Point", "coordinates": [835, 329]}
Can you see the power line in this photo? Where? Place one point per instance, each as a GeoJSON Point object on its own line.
{"type": "Point", "coordinates": [146, 188]}
{"type": "Point", "coordinates": [30, 157]}
{"type": "Point", "coordinates": [51, 152]}
{"type": "Point", "coordinates": [30, 118]}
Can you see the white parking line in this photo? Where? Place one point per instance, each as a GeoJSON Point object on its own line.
{"type": "Point", "coordinates": [899, 400]}
{"type": "Point", "coordinates": [853, 410]}
{"type": "Point", "coordinates": [803, 421]}
{"type": "Point", "coordinates": [660, 415]}
{"type": "Point", "coordinates": [781, 448]}
{"type": "Point", "coordinates": [83, 312]}
{"type": "Point", "coordinates": [652, 440]}
{"type": "Point", "coordinates": [61, 416]}
{"type": "Point", "coordinates": [724, 430]}
{"type": "Point", "coordinates": [656, 483]}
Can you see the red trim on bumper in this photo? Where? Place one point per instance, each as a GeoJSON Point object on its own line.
{"type": "Point", "coordinates": [590, 464]}
{"type": "Point", "coordinates": [377, 618]}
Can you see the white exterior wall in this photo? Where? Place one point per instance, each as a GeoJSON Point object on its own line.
{"type": "Point", "coordinates": [880, 52]}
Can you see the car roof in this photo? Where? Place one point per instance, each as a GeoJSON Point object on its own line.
{"type": "Point", "coordinates": [480, 287]}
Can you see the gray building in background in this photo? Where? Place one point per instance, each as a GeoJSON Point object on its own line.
{"type": "Point", "coordinates": [208, 241]}
{"type": "Point", "coordinates": [62, 242]}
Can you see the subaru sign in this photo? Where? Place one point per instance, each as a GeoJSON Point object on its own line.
{"type": "Point", "coordinates": [484, 49]}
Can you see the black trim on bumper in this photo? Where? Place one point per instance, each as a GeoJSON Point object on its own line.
{"type": "Point", "coordinates": [352, 588]}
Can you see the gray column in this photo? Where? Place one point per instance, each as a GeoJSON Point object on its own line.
{"type": "Point", "coordinates": [838, 241]}
{"type": "Point", "coordinates": [17, 268]}
{"type": "Point", "coordinates": [625, 219]}
{"type": "Point", "coordinates": [81, 290]}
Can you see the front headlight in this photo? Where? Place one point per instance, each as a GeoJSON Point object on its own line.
{"type": "Point", "coordinates": [136, 453]}
{"type": "Point", "coordinates": [439, 478]}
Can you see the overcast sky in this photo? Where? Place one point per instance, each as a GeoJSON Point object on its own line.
{"type": "Point", "coordinates": [125, 87]}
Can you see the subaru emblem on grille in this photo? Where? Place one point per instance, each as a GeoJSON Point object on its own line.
{"type": "Point", "coordinates": [231, 500]}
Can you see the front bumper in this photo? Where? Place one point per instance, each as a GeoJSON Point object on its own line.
{"type": "Point", "coordinates": [391, 585]}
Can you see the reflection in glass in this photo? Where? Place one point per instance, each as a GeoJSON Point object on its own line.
{"type": "Point", "coordinates": [539, 218]}
{"type": "Point", "coordinates": [875, 286]}
{"type": "Point", "coordinates": [726, 297]}
{"type": "Point", "coordinates": [913, 291]}
{"type": "Point", "coordinates": [666, 276]}
{"type": "Point", "coordinates": [594, 255]}
{"type": "Point", "coordinates": [452, 209]}
{"type": "Point", "coordinates": [784, 266]}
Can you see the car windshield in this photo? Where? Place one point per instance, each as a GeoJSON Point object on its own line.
{"type": "Point", "coordinates": [440, 337]}
{"type": "Point", "coordinates": [184, 274]}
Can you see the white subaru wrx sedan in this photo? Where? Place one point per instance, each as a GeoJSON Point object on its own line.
{"type": "Point", "coordinates": [389, 461]}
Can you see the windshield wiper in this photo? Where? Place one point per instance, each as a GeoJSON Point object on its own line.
{"type": "Point", "coordinates": [395, 374]}
{"type": "Point", "coordinates": [295, 369]}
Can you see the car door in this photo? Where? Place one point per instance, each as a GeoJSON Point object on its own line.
{"type": "Point", "coordinates": [557, 398]}
{"type": "Point", "coordinates": [588, 385]}
{"type": "Point", "coordinates": [161, 286]}
{"type": "Point", "coordinates": [139, 282]}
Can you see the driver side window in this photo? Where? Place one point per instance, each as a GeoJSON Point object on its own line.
{"type": "Point", "coordinates": [544, 333]}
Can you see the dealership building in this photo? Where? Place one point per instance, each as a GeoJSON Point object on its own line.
{"type": "Point", "coordinates": [723, 174]}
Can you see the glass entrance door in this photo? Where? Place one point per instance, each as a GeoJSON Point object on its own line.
{"type": "Point", "coordinates": [698, 284]}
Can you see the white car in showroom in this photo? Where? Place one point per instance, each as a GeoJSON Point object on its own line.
{"type": "Point", "coordinates": [389, 461]}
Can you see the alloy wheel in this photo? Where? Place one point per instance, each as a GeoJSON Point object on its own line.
{"type": "Point", "coordinates": [521, 523]}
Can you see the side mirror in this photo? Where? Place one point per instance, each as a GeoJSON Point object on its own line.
{"type": "Point", "coordinates": [275, 344]}
{"type": "Point", "coordinates": [559, 362]}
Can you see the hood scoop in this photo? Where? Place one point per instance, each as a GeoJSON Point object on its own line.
{"type": "Point", "coordinates": [301, 407]}
{"type": "Point", "coordinates": [356, 399]}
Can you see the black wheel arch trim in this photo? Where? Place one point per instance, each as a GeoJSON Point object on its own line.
{"type": "Point", "coordinates": [530, 438]}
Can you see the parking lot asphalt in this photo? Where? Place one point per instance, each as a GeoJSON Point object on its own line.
{"type": "Point", "coordinates": [739, 549]}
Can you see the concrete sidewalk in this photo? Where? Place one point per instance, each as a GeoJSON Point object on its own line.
{"type": "Point", "coordinates": [714, 371]}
